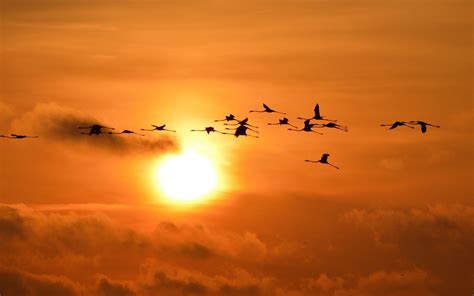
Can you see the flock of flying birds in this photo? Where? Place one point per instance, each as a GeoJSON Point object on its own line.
{"type": "Point", "coordinates": [240, 128]}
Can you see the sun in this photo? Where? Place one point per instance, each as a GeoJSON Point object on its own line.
{"type": "Point", "coordinates": [187, 177]}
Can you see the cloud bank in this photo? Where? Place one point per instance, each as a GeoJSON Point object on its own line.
{"type": "Point", "coordinates": [422, 251]}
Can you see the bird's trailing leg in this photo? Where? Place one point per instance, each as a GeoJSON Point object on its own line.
{"type": "Point", "coordinates": [251, 136]}
{"type": "Point", "coordinates": [343, 128]}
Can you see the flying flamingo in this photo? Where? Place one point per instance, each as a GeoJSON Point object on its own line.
{"type": "Point", "coordinates": [397, 124]}
{"type": "Point", "coordinates": [423, 125]}
{"type": "Point", "coordinates": [19, 137]}
{"type": "Point", "coordinates": [283, 121]}
{"type": "Point", "coordinates": [324, 160]}
{"type": "Point", "coordinates": [266, 109]}
{"type": "Point", "coordinates": [209, 130]}
{"type": "Point", "coordinates": [317, 115]}
{"type": "Point", "coordinates": [241, 130]}
{"type": "Point", "coordinates": [230, 117]}
{"type": "Point", "coordinates": [334, 125]}
{"type": "Point", "coordinates": [126, 132]}
{"type": "Point", "coordinates": [158, 128]}
{"type": "Point", "coordinates": [242, 122]}
{"type": "Point", "coordinates": [95, 129]}
{"type": "Point", "coordinates": [308, 127]}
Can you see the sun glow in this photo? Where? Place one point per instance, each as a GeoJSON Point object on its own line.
{"type": "Point", "coordinates": [187, 177]}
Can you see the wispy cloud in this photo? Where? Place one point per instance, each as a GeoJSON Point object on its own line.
{"type": "Point", "coordinates": [60, 124]}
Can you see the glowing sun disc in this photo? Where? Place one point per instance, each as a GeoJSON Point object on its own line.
{"type": "Point", "coordinates": [186, 177]}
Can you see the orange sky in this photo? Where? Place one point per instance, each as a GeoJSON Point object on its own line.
{"type": "Point", "coordinates": [397, 219]}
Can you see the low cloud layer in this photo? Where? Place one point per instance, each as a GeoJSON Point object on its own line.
{"type": "Point", "coordinates": [422, 251]}
{"type": "Point", "coordinates": [60, 124]}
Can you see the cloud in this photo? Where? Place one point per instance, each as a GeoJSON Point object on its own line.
{"type": "Point", "coordinates": [408, 282]}
{"type": "Point", "coordinates": [53, 122]}
{"type": "Point", "coordinates": [439, 238]}
{"type": "Point", "coordinates": [178, 281]}
{"type": "Point", "coordinates": [198, 242]}
{"type": "Point", "coordinates": [108, 287]}
{"type": "Point", "coordinates": [353, 251]}
{"type": "Point", "coordinates": [13, 282]}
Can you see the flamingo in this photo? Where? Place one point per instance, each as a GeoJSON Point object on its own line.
{"type": "Point", "coordinates": [266, 109]}
{"type": "Point", "coordinates": [334, 125]}
{"type": "Point", "coordinates": [423, 125]}
{"type": "Point", "coordinates": [158, 128]}
{"type": "Point", "coordinates": [209, 130]}
{"type": "Point", "coordinates": [230, 117]}
{"type": "Point", "coordinates": [397, 124]}
{"type": "Point", "coordinates": [283, 121]}
{"type": "Point", "coordinates": [324, 160]}
{"type": "Point", "coordinates": [18, 137]}
{"type": "Point", "coordinates": [308, 127]}
{"type": "Point", "coordinates": [241, 130]}
{"type": "Point", "coordinates": [317, 115]}
{"type": "Point", "coordinates": [126, 132]}
{"type": "Point", "coordinates": [242, 122]}
{"type": "Point", "coordinates": [95, 129]}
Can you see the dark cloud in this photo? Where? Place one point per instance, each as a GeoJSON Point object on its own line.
{"type": "Point", "coordinates": [14, 282]}
{"type": "Point", "coordinates": [54, 122]}
{"type": "Point", "coordinates": [12, 223]}
{"type": "Point", "coordinates": [177, 281]}
{"type": "Point", "coordinates": [107, 287]}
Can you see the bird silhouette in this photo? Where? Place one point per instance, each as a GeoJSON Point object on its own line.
{"type": "Point", "coordinates": [317, 115]}
{"type": "Point", "coordinates": [283, 121]}
{"type": "Point", "coordinates": [423, 125]}
{"type": "Point", "coordinates": [209, 130]}
{"type": "Point", "coordinates": [242, 122]}
{"type": "Point", "coordinates": [397, 124]}
{"type": "Point", "coordinates": [323, 160]}
{"type": "Point", "coordinates": [126, 132]}
{"type": "Point", "coordinates": [95, 129]}
{"type": "Point", "coordinates": [18, 137]}
{"type": "Point", "coordinates": [333, 125]}
{"type": "Point", "coordinates": [266, 109]}
{"type": "Point", "coordinates": [230, 117]}
{"type": "Point", "coordinates": [241, 130]}
{"type": "Point", "coordinates": [308, 127]}
{"type": "Point", "coordinates": [158, 128]}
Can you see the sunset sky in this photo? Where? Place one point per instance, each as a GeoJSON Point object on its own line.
{"type": "Point", "coordinates": [84, 215]}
